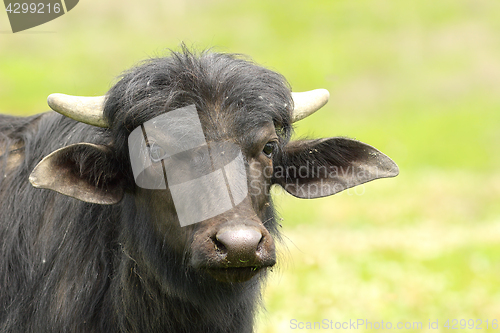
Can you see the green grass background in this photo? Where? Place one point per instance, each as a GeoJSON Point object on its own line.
{"type": "Point", "coordinates": [419, 80]}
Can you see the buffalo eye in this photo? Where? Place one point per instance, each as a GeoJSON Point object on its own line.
{"type": "Point", "coordinates": [156, 152]}
{"type": "Point", "coordinates": [269, 149]}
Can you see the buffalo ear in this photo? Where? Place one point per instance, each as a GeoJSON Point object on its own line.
{"type": "Point", "coordinates": [317, 168]}
{"type": "Point", "coordinates": [83, 171]}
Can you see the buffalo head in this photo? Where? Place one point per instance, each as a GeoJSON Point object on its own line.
{"type": "Point", "coordinates": [204, 206]}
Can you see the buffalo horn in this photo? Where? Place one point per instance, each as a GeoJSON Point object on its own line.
{"type": "Point", "coordinates": [308, 102]}
{"type": "Point", "coordinates": [89, 110]}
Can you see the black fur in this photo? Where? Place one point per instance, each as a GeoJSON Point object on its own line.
{"type": "Point", "coordinates": [71, 266]}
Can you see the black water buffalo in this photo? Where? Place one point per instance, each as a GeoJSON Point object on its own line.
{"type": "Point", "coordinates": [149, 208]}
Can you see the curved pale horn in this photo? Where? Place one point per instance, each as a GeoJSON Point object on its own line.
{"type": "Point", "coordinates": [308, 102]}
{"type": "Point", "coordinates": [88, 110]}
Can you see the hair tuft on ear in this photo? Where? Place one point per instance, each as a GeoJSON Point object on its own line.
{"type": "Point", "coordinates": [317, 168]}
{"type": "Point", "coordinates": [84, 171]}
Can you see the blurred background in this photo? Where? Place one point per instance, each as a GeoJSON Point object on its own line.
{"type": "Point", "coordinates": [419, 80]}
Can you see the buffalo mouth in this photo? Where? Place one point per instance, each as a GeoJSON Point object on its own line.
{"type": "Point", "coordinates": [235, 274]}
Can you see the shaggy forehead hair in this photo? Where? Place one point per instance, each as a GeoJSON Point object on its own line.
{"type": "Point", "coordinates": [225, 88]}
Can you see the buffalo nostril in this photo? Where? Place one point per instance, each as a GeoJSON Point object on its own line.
{"type": "Point", "coordinates": [241, 242]}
